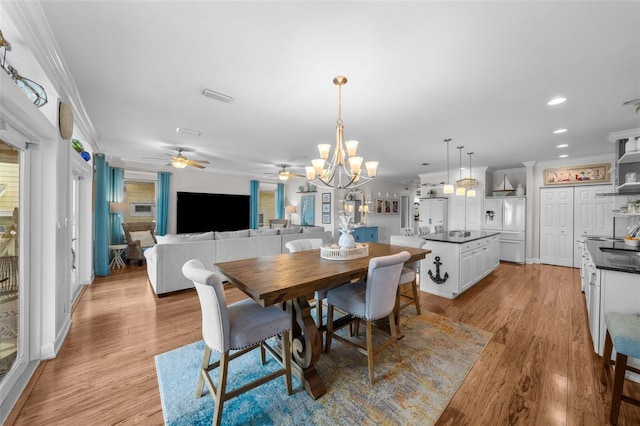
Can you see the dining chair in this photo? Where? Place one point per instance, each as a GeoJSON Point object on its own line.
{"type": "Point", "coordinates": [623, 334]}
{"type": "Point", "coordinates": [407, 232]}
{"type": "Point", "coordinates": [311, 244]}
{"type": "Point", "coordinates": [240, 327]}
{"type": "Point", "coordinates": [409, 276]}
{"type": "Point", "coordinates": [369, 301]}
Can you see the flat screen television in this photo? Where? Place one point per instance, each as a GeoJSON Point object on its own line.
{"type": "Point", "coordinates": [202, 212]}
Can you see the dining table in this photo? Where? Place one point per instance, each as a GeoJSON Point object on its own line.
{"type": "Point", "coordinates": [289, 280]}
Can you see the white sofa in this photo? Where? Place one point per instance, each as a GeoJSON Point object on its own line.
{"type": "Point", "coordinates": [165, 259]}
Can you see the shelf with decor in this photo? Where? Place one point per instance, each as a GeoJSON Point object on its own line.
{"type": "Point", "coordinates": [630, 157]}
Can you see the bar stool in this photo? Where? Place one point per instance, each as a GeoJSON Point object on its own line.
{"type": "Point", "coordinates": [623, 333]}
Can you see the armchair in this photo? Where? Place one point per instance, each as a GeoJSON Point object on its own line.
{"type": "Point", "coordinates": [139, 236]}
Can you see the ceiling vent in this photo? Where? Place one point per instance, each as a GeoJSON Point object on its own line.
{"type": "Point", "coordinates": [216, 95]}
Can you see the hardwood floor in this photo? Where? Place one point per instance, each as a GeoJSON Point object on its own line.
{"type": "Point", "coordinates": [539, 368]}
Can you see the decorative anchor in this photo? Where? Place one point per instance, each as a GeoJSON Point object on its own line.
{"type": "Point", "coordinates": [438, 279]}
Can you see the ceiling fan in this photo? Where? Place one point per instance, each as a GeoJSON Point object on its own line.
{"type": "Point", "coordinates": [285, 174]}
{"type": "Point", "coordinates": [179, 161]}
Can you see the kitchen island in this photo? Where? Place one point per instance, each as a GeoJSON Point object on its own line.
{"type": "Point", "coordinates": [610, 274]}
{"type": "Point", "coordinates": [458, 262]}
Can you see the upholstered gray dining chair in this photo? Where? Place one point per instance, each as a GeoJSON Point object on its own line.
{"type": "Point", "coordinates": [242, 326]}
{"type": "Point", "coordinates": [310, 244]}
{"type": "Point", "coordinates": [409, 275]}
{"type": "Point", "coordinates": [369, 301]}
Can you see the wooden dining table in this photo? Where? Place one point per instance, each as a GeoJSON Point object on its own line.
{"type": "Point", "coordinates": [290, 280]}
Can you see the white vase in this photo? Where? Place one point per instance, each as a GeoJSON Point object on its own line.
{"type": "Point", "coordinates": [346, 240]}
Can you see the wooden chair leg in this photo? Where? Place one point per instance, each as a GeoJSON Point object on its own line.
{"type": "Point", "coordinates": [262, 353]}
{"type": "Point", "coordinates": [606, 357]}
{"type": "Point", "coordinates": [206, 357]}
{"type": "Point", "coordinates": [618, 383]}
{"type": "Point", "coordinates": [329, 332]}
{"type": "Point", "coordinates": [396, 310]}
{"type": "Point", "coordinates": [319, 313]}
{"type": "Point", "coordinates": [394, 335]}
{"type": "Point", "coordinates": [287, 361]}
{"type": "Point", "coordinates": [370, 349]}
{"type": "Point", "coordinates": [416, 295]}
{"type": "Point", "coordinates": [219, 396]}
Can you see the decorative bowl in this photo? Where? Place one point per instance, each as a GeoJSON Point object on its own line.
{"type": "Point", "coordinates": [632, 243]}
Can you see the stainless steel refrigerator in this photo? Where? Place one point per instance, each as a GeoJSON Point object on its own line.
{"type": "Point", "coordinates": [507, 215]}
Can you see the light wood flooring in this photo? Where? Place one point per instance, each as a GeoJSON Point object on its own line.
{"type": "Point", "coordinates": [539, 368]}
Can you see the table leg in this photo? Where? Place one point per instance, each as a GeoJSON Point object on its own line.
{"type": "Point", "coordinates": [306, 347]}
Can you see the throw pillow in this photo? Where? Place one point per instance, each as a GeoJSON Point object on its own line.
{"type": "Point", "coordinates": [223, 235]}
{"type": "Point", "coordinates": [292, 230]}
{"type": "Point", "coordinates": [183, 238]}
{"type": "Point", "coordinates": [262, 232]}
{"type": "Point", "coordinates": [145, 237]}
{"type": "Point", "coordinates": [312, 229]}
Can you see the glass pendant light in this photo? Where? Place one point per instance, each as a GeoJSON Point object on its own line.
{"type": "Point", "coordinates": [448, 188]}
{"type": "Point", "coordinates": [471, 193]}
{"type": "Point", "coordinates": [460, 190]}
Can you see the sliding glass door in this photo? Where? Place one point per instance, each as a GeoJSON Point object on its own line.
{"type": "Point", "coordinates": [10, 235]}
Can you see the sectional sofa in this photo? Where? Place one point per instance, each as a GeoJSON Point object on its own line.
{"type": "Point", "coordinates": [165, 259]}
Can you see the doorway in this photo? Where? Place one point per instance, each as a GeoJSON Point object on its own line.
{"type": "Point", "coordinates": [11, 327]}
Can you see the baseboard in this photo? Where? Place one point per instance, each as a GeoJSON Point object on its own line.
{"type": "Point", "coordinates": [18, 396]}
{"type": "Point", "coordinates": [533, 261]}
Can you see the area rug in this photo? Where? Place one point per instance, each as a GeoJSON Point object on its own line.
{"type": "Point", "coordinates": [436, 356]}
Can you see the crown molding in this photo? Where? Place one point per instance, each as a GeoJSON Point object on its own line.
{"type": "Point", "coordinates": [34, 27]}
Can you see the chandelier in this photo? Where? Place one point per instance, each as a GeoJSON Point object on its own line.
{"type": "Point", "coordinates": [343, 170]}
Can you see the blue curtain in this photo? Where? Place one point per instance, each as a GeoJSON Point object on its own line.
{"type": "Point", "coordinates": [280, 201]}
{"type": "Point", "coordinates": [115, 191]}
{"type": "Point", "coordinates": [101, 217]}
{"type": "Point", "coordinates": [255, 200]}
{"type": "Point", "coordinates": [162, 202]}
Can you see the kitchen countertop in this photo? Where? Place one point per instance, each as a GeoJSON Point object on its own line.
{"type": "Point", "coordinates": [446, 238]}
{"type": "Point", "coordinates": [614, 255]}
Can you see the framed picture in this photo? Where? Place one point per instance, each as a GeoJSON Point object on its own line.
{"type": "Point", "coordinates": [326, 208]}
{"type": "Point", "coordinates": [326, 218]}
{"type": "Point", "coordinates": [394, 207]}
{"type": "Point", "coordinates": [379, 208]}
{"type": "Point", "coordinates": [575, 175]}
{"type": "Point", "coordinates": [307, 210]}
{"type": "Point", "coordinates": [387, 206]}
{"type": "Point", "coordinates": [326, 197]}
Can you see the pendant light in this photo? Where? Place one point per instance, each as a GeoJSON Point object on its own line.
{"type": "Point", "coordinates": [471, 193]}
{"type": "Point", "coordinates": [448, 188]}
{"type": "Point", "coordinates": [460, 190]}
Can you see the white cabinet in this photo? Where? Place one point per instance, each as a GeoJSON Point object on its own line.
{"type": "Point", "coordinates": [466, 270]}
{"type": "Point", "coordinates": [556, 226]}
{"type": "Point", "coordinates": [466, 213]}
{"type": "Point", "coordinates": [568, 213]}
{"type": "Point", "coordinates": [465, 264]}
{"type": "Point", "coordinates": [592, 216]}
{"type": "Point", "coordinates": [433, 211]}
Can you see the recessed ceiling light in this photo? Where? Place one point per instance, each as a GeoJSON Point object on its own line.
{"type": "Point", "coordinates": [559, 131]}
{"type": "Point", "coordinates": [562, 145]}
{"type": "Point", "coordinates": [191, 132]}
{"type": "Point", "coordinates": [563, 156]}
{"type": "Point", "coordinates": [556, 101]}
{"type": "Point", "coordinates": [216, 95]}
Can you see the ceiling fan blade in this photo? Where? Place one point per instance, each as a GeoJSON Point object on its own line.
{"type": "Point", "coordinates": [192, 164]}
{"type": "Point", "coordinates": [200, 161]}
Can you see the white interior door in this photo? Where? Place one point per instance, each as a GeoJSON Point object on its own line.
{"type": "Point", "coordinates": [556, 226]}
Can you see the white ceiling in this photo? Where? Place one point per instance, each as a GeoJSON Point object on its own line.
{"type": "Point", "coordinates": [419, 72]}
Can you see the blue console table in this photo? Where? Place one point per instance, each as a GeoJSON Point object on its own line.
{"type": "Point", "coordinates": [366, 234]}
